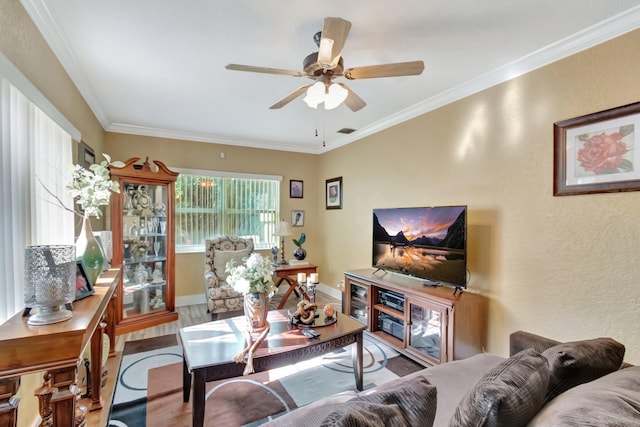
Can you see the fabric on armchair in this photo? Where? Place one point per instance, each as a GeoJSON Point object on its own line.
{"type": "Point", "coordinates": [221, 297]}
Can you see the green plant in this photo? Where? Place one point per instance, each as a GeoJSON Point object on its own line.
{"type": "Point", "coordinates": [300, 240]}
{"type": "Point", "coordinates": [92, 188]}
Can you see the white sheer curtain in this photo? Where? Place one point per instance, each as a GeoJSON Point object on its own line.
{"type": "Point", "coordinates": [34, 149]}
{"type": "Point", "coordinates": [50, 166]}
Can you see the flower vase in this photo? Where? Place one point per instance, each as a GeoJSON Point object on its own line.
{"type": "Point", "coordinates": [89, 251]}
{"type": "Point", "coordinates": [256, 308]}
{"type": "Point", "coordinates": [300, 253]}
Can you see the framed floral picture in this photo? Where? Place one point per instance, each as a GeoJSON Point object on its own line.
{"type": "Point", "coordinates": [334, 193]}
{"type": "Point", "coordinates": [598, 153]}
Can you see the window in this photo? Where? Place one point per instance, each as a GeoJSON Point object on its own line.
{"type": "Point", "coordinates": [213, 204]}
{"type": "Point", "coordinates": [35, 151]}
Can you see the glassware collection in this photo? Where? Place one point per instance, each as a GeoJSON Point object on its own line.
{"type": "Point", "coordinates": [144, 242]}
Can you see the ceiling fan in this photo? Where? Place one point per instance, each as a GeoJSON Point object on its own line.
{"type": "Point", "coordinates": [326, 64]}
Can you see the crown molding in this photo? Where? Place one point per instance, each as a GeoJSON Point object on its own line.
{"type": "Point", "coordinates": [209, 138]}
{"type": "Point", "coordinates": [57, 40]}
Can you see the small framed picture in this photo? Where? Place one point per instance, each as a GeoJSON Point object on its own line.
{"type": "Point", "coordinates": [295, 189]}
{"type": "Point", "coordinates": [334, 193]}
{"type": "Point", "coordinates": [84, 287]}
{"type": "Point", "coordinates": [598, 153]}
{"type": "Point", "coordinates": [86, 156]}
{"type": "Point", "coordinates": [297, 218]}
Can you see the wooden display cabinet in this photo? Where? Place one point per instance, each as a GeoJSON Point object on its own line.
{"type": "Point", "coordinates": [143, 233]}
{"type": "Point", "coordinates": [430, 324]}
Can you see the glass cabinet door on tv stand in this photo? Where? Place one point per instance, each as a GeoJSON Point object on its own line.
{"type": "Point", "coordinates": [427, 332]}
{"type": "Point", "coordinates": [142, 221]}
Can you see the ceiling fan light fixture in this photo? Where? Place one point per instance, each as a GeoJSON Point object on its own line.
{"type": "Point", "coordinates": [315, 95]}
{"type": "Point", "coordinates": [332, 95]}
{"type": "Point", "coordinates": [335, 96]}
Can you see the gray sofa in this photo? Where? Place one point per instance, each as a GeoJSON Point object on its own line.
{"type": "Point", "coordinates": [542, 383]}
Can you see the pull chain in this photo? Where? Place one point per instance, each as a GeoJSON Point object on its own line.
{"type": "Point", "coordinates": [323, 130]}
{"type": "Point", "coordinates": [323, 133]}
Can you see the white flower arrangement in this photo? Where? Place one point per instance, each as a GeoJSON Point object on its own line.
{"type": "Point", "coordinates": [255, 275]}
{"type": "Point", "coordinates": [92, 188]}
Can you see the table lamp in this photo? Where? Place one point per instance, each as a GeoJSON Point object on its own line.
{"type": "Point", "coordinates": [283, 231]}
{"type": "Point", "coordinates": [49, 282]}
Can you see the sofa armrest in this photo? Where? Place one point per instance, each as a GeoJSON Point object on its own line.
{"type": "Point", "coordinates": [521, 340]}
{"type": "Point", "coordinates": [211, 280]}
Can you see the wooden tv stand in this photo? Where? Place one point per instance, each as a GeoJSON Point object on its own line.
{"type": "Point", "coordinates": [430, 324]}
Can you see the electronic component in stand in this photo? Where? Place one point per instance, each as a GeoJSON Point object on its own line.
{"type": "Point", "coordinates": [391, 325]}
{"type": "Point", "coordinates": [391, 299]}
{"type": "Point", "coordinates": [359, 291]}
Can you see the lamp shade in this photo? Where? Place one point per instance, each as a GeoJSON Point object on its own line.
{"type": "Point", "coordinates": [283, 229]}
{"type": "Point", "coordinates": [49, 282]}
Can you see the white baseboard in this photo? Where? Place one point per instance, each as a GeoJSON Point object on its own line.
{"type": "Point", "coordinates": [331, 291]}
{"type": "Point", "coordinates": [200, 298]}
{"type": "Point", "coordinates": [190, 300]}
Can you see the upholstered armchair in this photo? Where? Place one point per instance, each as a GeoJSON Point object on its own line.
{"type": "Point", "coordinates": [221, 297]}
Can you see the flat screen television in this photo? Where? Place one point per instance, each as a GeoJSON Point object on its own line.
{"type": "Point", "coordinates": [425, 242]}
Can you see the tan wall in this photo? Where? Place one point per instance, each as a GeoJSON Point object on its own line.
{"type": "Point", "coordinates": [22, 44]}
{"type": "Point", "coordinates": [565, 267]}
{"type": "Point", "coordinates": [199, 155]}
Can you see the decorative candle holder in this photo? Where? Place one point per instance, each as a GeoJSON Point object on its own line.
{"type": "Point", "coordinates": [49, 273]}
{"type": "Point", "coordinates": [314, 279]}
{"type": "Point", "coordinates": [311, 291]}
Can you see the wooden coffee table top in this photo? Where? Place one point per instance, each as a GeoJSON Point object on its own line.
{"type": "Point", "coordinates": [216, 343]}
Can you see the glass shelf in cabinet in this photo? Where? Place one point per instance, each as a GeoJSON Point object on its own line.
{"type": "Point", "coordinates": [144, 259]}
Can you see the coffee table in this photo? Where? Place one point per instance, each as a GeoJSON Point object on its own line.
{"type": "Point", "coordinates": [208, 350]}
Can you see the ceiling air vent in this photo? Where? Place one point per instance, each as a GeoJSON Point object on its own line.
{"type": "Point", "coordinates": [346, 131]}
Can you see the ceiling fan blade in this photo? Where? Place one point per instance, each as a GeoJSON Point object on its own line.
{"type": "Point", "coordinates": [253, 69]}
{"type": "Point", "coordinates": [353, 101]}
{"type": "Point", "coordinates": [287, 99]}
{"type": "Point", "coordinates": [411, 68]}
{"type": "Point", "coordinates": [334, 36]}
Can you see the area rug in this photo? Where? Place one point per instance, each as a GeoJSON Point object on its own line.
{"type": "Point", "coordinates": [149, 388]}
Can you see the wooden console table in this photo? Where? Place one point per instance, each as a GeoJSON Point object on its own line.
{"type": "Point", "coordinates": [57, 348]}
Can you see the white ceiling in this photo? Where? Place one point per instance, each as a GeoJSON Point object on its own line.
{"type": "Point", "coordinates": [156, 67]}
